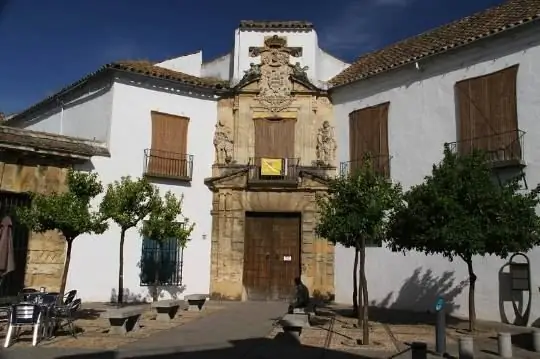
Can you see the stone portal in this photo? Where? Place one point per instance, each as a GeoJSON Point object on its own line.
{"type": "Point", "coordinates": [274, 154]}
{"type": "Point", "coordinates": [243, 217]}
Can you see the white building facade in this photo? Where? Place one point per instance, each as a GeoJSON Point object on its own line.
{"type": "Point", "coordinates": [119, 105]}
{"type": "Point", "coordinates": [424, 98]}
{"type": "Point", "coordinates": [407, 91]}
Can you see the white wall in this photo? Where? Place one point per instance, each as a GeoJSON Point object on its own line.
{"type": "Point", "coordinates": [87, 115]}
{"type": "Point", "coordinates": [220, 68]}
{"type": "Point", "coordinates": [421, 119]}
{"type": "Point", "coordinates": [94, 266]}
{"type": "Point", "coordinates": [189, 64]}
{"type": "Point", "coordinates": [328, 66]}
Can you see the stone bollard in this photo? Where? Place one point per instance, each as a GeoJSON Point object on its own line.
{"type": "Point", "coordinates": [535, 334]}
{"type": "Point", "coordinates": [418, 350]}
{"type": "Point", "coordinates": [292, 335]}
{"type": "Point", "coordinates": [504, 341]}
{"type": "Point", "coordinates": [466, 348]}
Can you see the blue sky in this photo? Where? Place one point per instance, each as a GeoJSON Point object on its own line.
{"type": "Point", "coordinates": [47, 44]}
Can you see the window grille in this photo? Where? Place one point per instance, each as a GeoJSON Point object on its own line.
{"type": "Point", "coordinates": [161, 263]}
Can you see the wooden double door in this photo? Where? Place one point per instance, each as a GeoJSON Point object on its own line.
{"type": "Point", "coordinates": [271, 255]}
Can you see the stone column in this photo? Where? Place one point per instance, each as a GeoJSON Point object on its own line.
{"type": "Point", "coordinates": [227, 248]}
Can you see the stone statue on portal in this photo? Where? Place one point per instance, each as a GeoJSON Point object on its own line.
{"type": "Point", "coordinates": [326, 144]}
{"type": "Point", "coordinates": [223, 144]}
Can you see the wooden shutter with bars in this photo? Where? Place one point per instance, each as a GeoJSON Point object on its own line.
{"type": "Point", "coordinates": [168, 156]}
{"type": "Point", "coordinates": [368, 133]}
{"type": "Point", "coordinates": [274, 138]}
{"type": "Point", "coordinates": [487, 114]}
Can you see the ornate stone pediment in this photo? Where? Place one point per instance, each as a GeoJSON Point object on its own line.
{"type": "Point", "coordinates": [238, 179]}
{"type": "Point", "coordinates": [234, 179]}
{"type": "Point", "coordinates": [275, 74]}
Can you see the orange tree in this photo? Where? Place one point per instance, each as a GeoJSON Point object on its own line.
{"type": "Point", "coordinates": [461, 211]}
{"type": "Point", "coordinates": [127, 202]}
{"type": "Point", "coordinates": [165, 223]}
{"type": "Point", "coordinates": [67, 212]}
{"type": "Point", "coordinates": [352, 212]}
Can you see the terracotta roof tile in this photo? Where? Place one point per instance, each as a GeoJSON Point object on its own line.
{"type": "Point", "coordinates": [17, 138]}
{"type": "Point", "coordinates": [508, 15]}
{"type": "Point", "coordinates": [149, 69]}
{"type": "Point", "coordinates": [144, 68]}
{"type": "Point", "coordinates": [275, 25]}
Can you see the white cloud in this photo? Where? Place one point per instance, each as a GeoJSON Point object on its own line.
{"type": "Point", "coordinates": [359, 26]}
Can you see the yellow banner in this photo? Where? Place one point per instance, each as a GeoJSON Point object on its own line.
{"type": "Point", "coordinates": [271, 166]}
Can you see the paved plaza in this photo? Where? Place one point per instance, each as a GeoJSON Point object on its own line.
{"type": "Point", "coordinates": [239, 331]}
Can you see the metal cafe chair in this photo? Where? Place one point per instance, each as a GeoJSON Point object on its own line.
{"type": "Point", "coordinates": [24, 314]}
{"type": "Point", "coordinates": [5, 306]}
{"type": "Point", "coordinates": [69, 297]}
{"type": "Point", "coordinates": [26, 293]}
{"type": "Point", "coordinates": [65, 315]}
{"type": "Point", "coordinates": [47, 303]}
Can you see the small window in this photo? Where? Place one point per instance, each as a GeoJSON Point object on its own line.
{"type": "Point", "coordinates": [161, 264]}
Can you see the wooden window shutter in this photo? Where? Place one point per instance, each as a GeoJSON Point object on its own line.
{"type": "Point", "coordinates": [368, 133]}
{"type": "Point", "coordinates": [382, 164]}
{"type": "Point", "coordinates": [168, 155]}
{"type": "Point", "coordinates": [503, 109]}
{"type": "Point", "coordinates": [487, 114]}
{"type": "Point", "coordinates": [274, 138]}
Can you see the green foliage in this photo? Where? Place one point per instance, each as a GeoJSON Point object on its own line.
{"type": "Point", "coordinates": [356, 207]}
{"type": "Point", "coordinates": [460, 210]}
{"type": "Point", "coordinates": [166, 221]}
{"type": "Point", "coordinates": [128, 201]}
{"type": "Point", "coordinates": [67, 212]}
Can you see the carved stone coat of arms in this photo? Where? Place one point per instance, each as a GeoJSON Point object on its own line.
{"type": "Point", "coordinates": [275, 82]}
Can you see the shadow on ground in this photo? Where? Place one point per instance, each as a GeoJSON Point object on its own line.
{"type": "Point", "coordinates": [414, 302]}
{"type": "Point", "coordinates": [259, 348]}
{"type": "Point", "coordinates": [396, 316]}
{"type": "Point", "coordinates": [89, 313]}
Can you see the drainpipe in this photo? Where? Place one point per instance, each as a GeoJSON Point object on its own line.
{"type": "Point", "coordinates": [237, 59]}
{"type": "Point", "coordinates": [61, 117]}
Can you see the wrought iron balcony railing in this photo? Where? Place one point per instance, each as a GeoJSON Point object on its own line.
{"type": "Point", "coordinates": [501, 148]}
{"type": "Point", "coordinates": [268, 170]}
{"type": "Point", "coordinates": [165, 164]}
{"type": "Point", "coordinates": [380, 164]}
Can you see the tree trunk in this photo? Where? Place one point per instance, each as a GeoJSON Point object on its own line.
{"type": "Point", "coordinates": [63, 280]}
{"type": "Point", "coordinates": [355, 283]}
{"type": "Point", "coordinates": [121, 268]}
{"type": "Point", "coordinates": [365, 297]}
{"type": "Point", "coordinates": [472, 285]}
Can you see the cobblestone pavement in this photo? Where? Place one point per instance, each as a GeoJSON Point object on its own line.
{"type": "Point", "coordinates": [238, 331]}
{"type": "Point", "coordinates": [238, 322]}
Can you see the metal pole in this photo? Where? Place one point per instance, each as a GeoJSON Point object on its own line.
{"type": "Point", "coordinates": [440, 332]}
{"type": "Point", "coordinates": [440, 327]}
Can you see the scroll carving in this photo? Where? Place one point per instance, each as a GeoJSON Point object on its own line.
{"type": "Point", "coordinates": [223, 144]}
{"type": "Point", "coordinates": [326, 144]}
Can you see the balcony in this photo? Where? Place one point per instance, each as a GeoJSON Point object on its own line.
{"type": "Point", "coordinates": [379, 163]}
{"type": "Point", "coordinates": [503, 149]}
{"type": "Point", "coordinates": [266, 171]}
{"type": "Point", "coordinates": [168, 165]}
